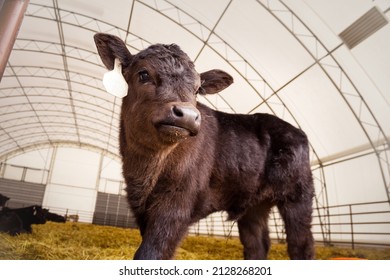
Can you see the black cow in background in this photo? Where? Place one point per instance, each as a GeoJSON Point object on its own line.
{"type": "Point", "coordinates": [19, 220]}
{"type": "Point", "coordinates": [3, 200]}
{"type": "Point", "coordinates": [16, 221]}
{"type": "Point", "coordinates": [53, 217]}
{"type": "Point", "coordinates": [10, 223]}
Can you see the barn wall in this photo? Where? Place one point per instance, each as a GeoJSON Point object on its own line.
{"type": "Point", "coordinates": [113, 210]}
{"type": "Point", "coordinates": [22, 194]}
{"type": "Point", "coordinates": [70, 200]}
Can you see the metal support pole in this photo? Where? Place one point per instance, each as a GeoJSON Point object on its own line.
{"type": "Point", "coordinates": [99, 173]}
{"type": "Point", "coordinates": [51, 166]}
{"type": "Point", "coordinates": [11, 16]}
{"type": "Point", "coordinates": [351, 224]}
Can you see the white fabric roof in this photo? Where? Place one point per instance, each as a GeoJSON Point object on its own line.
{"type": "Point", "coordinates": [286, 57]}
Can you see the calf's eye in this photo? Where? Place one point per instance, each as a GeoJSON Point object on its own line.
{"type": "Point", "coordinates": [144, 76]}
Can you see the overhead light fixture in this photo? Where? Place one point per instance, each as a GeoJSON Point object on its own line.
{"type": "Point", "coordinates": [363, 27]}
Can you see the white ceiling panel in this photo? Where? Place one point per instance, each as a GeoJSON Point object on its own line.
{"type": "Point", "coordinates": [263, 42]}
{"type": "Point", "coordinates": [316, 103]}
{"type": "Point", "coordinates": [166, 32]}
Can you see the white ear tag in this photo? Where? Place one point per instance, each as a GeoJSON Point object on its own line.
{"type": "Point", "coordinates": [114, 82]}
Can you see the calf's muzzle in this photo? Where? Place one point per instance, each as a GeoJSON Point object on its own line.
{"type": "Point", "coordinates": [178, 121]}
{"type": "Point", "coordinates": [188, 117]}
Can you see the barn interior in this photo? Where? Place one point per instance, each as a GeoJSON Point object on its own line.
{"type": "Point", "coordinates": [323, 66]}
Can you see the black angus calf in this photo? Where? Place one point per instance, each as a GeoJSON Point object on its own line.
{"type": "Point", "coordinates": [183, 160]}
{"type": "Point", "coordinates": [19, 220]}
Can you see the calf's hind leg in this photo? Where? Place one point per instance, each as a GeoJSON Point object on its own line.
{"type": "Point", "coordinates": [297, 221]}
{"type": "Point", "coordinates": [254, 234]}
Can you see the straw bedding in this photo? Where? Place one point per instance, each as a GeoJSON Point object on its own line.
{"type": "Point", "coordinates": [78, 241]}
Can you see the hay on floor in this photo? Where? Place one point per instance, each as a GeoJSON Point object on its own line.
{"type": "Point", "coordinates": [78, 241]}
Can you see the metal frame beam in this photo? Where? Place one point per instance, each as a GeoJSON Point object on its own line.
{"type": "Point", "coordinates": [11, 17]}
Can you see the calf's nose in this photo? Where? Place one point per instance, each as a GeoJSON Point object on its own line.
{"type": "Point", "coordinates": [186, 112]}
{"type": "Point", "coordinates": [187, 116]}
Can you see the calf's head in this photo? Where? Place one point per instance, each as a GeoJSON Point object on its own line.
{"type": "Point", "coordinates": [38, 214]}
{"type": "Point", "coordinates": [159, 108]}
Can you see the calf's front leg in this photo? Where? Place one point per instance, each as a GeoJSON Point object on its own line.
{"type": "Point", "coordinates": [161, 237]}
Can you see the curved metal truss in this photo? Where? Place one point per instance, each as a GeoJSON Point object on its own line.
{"type": "Point", "coordinates": [63, 115]}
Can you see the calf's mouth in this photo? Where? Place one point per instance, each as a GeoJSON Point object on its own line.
{"type": "Point", "coordinates": [173, 132]}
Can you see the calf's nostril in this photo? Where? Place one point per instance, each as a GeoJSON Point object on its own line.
{"type": "Point", "coordinates": [178, 111]}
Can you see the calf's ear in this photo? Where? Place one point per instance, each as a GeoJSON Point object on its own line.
{"type": "Point", "coordinates": [110, 47]}
{"type": "Point", "coordinates": [214, 81]}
